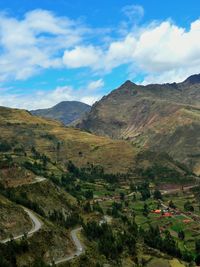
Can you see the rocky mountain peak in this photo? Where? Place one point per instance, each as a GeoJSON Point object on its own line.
{"type": "Point", "coordinates": [193, 79]}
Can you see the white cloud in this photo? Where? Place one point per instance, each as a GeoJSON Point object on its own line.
{"type": "Point", "coordinates": [133, 12]}
{"type": "Point", "coordinates": [118, 53]}
{"type": "Point", "coordinates": [164, 52]}
{"type": "Point", "coordinates": [95, 85]}
{"type": "Point", "coordinates": [46, 99]}
{"type": "Point", "coordinates": [34, 43]}
{"type": "Point", "coordinates": [82, 56]}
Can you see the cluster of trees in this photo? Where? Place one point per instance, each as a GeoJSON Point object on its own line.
{"type": "Point", "coordinates": [160, 172]}
{"type": "Point", "coordinates": [68, 221]}
{"type": "Point", "coordinates": [92, 208]}
{"type": "Point", "coordinates": [21, 199]}
{"type": "Point", "coordinates": [35, 167]}
{"type": "Point", "coordinates": [116, 210]}
{"type": "Point", "coordinates": [38, 156]}
{"type": "Point", "coordinates": [188, 206]}
{"type": "Point", "coordinates": [11, 250]}
{"type": "Point", "coordinates": [39, 166]}
{"type": "Point", "coordinates": [112, 243]}
{"type": "Point", "coordinates": [144, 191]}
{"type": "Point", "coordinates": [93, 172]}
{"type": "Point", "coordinates": [167, 244]}
{"type": "Point", "coordinates": [5, 146]}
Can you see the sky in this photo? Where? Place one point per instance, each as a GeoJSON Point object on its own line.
{"type": "Point", "coordinates": [58, 50]}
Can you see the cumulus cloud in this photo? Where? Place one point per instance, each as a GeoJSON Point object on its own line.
{"type": "Point", "coordinates": [95, 85]}
{"type": "Point", "coordinates": [160, 51]}
{"type": "Point", "coordinates": [82, 56]}
{"type": "Point", "coordinates": [118, 53]}
{"type": "Point", "coordinates": [34, 43]}
{"type": "Point", "coordinates": [164, 52]}
{"type": "Point", "coordinates": [44, 99]}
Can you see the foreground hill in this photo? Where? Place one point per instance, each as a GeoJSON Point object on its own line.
{"type": "Point", "coordinates": [65, 112]}
{"type": "Point", "coordinates": [47, 194]}
{"type": "Point", "coordinates": [21, 132]}
{"type": "Point", "coordinates": [164, 118]}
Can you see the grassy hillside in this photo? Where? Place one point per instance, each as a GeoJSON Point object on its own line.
{"type": "Point", "coordinates": [49, 197]}
{"type": "Point", "coordinates": [22, 131]}
{"type": "Point", "coordinates": [14, 220]}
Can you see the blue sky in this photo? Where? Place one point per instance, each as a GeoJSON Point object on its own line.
{"type": "Point", "coordinates": [80, 50]}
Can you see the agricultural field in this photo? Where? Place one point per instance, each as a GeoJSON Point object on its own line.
{"type": "Point", "coordinates": [182, 224]}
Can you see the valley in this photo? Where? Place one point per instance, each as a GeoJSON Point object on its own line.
{"type": "Point", "coordinates": [122, 189]}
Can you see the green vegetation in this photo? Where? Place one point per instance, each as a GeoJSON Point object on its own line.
{"type": "Point", "coordinates": [71, 179]}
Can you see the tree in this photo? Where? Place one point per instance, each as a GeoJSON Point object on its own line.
{"type": "Point", "coordinates": [157, 194]}
{"type": "Point", "coordinates": [145, 210]}
{"type": "Point", "coordinates": [181, 235]}
{"type": "Point", "coordinates": [89, 194]}
{"type": "Point", "coordinates": [170, 246]}
{"type": "Point", "coordinates": [197, 260]}
{"type": "Point", "coordinates": [87, 207]}
{"type": "Point", "coordinates": [197, 245]}
{"type": "Point", "coordinates": [5, 146]}
{"type": "Point", "coordinates": [172, 205]}
{"type": "Point", "coordinates": [122, 196]}
{"type": "Point", "coordinates": [188, 206]}
{"type": "Point", "coordinates": [144, 191]}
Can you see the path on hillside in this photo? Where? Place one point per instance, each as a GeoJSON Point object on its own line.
{"type": "Point", "coordinates": [38, 179]}
{"type": "Point", "coordinates": [36, 223]}
{"type": "Point", "coordinates": [79, 248]}
{"type": "Point", "coordinates": [36, 226]}
{"type": "Point", "coordinates": [176, 190]}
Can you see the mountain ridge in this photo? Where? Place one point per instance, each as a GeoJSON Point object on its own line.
{"type": "Point", "coordinates": [65, 111]}
{"type": "Point", "coordinates": [151, 116]}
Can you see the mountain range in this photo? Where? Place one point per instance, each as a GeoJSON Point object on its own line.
{"type": "Point", "coordinates": [65, 111]}
{"type": "Point", "coordinates": [132, 119]}
{"type": "Point", "coordinates": [129, 154]}
{"type": "Point", "coordinates": [158, 117]}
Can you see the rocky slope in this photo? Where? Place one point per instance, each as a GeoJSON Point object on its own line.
{"type": "Point", "coordinates": [163, 117]}
{"type": "Point", "coordinates": [65, 112]}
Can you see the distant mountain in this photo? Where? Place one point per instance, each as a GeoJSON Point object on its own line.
{"type": "Point", "coordinates": [159, 117]}
{"type": "Point", "coordinates": [65, 112]}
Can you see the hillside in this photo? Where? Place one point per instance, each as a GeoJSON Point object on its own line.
{"type": "Point", "coordinates": [13, 219]}
{"type": "Point", "coordinates": [163, 117]}
{"type": "Point", "coordinates": [65, 112]}
{"type": "Point", "coordinates": [58, 184]}
{"type": "Point", "coordinates": [21, 132]}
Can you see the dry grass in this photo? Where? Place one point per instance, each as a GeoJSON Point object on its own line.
{"type": "Point", "coordinates": [78, 146]}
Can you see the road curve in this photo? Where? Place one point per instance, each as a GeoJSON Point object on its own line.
{"type": "Point", "coordinates": [36, 226]}
{"type": "Point", "coordinates": [79, 248]}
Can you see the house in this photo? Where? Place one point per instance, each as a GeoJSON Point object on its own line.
{"type": "Point", "coordinates": [156, 211]}
{"type": "Point", "coordinates": [167, 214]}
{"type": "Point", "coordinates": [186, 221]}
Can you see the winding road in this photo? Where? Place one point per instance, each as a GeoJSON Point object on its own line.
{"type": "Point", "coordinates": [79, 248]}
{"type": "Point", "coordinates": [36, 226]}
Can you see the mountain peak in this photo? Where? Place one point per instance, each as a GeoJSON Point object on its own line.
{"type": "Point", "coordinates": [193, 79]}
{"type": "Point", "coordinates": [65, 111]}
{"type": "Point", "coordinates": [127, 83]}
